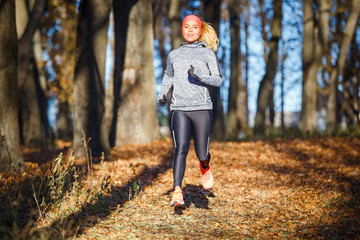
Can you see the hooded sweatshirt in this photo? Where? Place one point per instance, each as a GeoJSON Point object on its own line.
{"type": "Point", "coordinates": [190, 93]}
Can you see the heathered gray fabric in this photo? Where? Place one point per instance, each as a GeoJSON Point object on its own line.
{"type": "Point", "coordinates": [190, 94]}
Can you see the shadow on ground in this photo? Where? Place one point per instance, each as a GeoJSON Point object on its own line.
{"type": "Point", "coordinates": [193, 195]}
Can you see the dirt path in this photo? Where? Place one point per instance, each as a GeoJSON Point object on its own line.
{"type": "Point", "coordinates": [296, 189]}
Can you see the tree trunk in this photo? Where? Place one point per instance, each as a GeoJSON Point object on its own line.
{"type": "Point", "coordinates": [175, 23]}
{"type": "Point", "coordinates": [33, 108]}
{"type": "Point", "coordinates": [242, 110]}
{"type": "Point", "coordinates": [176, 39]}
{"type": "Point", "coordinates": [159, 34]}
{"type": "Point", "coordinates": [109, 98]}
{"type": "Point", "coordinates": [346, 106]}
{"type": "Point", "coordinates": [244, 104]}
{"type": "Point", "coordinates": [331, 120]}
{"type": "Point", "coordinates": [263, 31]}
{"type": "Point", "coordinates": [26, 40]}
{"type": "Point", "coordinates": [271, 69]}
{"type": "Point", "coordinates": [356, 85]}
{"type": "Point", "coordinates": [64, 121]}
{"type": "Point", "coordinates": [236, 118]}
{"type": "Point", "coordinates": [212, 15]}
{"type": "Point", "coordinates": [121, 24]}
{"type": "Point", "coordinates": [37, 51]}
{"type": "Point", "coordinates": [314, 46]}
{"type": "Point", "coordinates": [356, 98]}
{"type": "Point", "coordinates": [310, 69]}
{"type": "Point", "coordinates": [89, 76]}
{"type": "Point", "coordinates": [10, 152]}
{"type": "Point", "coordinates": [271, 106]}
{"type": "Point", "coordinates": [355, 81]}
{"type": "Point", "coordinates": [283, 57]}
{"type": "Point", "coordinates": [22, 16]}
{"type": "Point", "coordinates": [137, 119]}
{"type": "Point", "coordinates": [231, 122]}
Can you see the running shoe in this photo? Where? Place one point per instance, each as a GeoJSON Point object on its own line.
{"type": "Point", "coordinates": [207, 179]}
{"type": "Point", "coordinates": [177, 198]}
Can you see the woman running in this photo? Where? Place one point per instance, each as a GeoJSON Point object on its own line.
{"type": "Point", "coordinates": [189, 70]}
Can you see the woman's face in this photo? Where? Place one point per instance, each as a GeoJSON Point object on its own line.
{"type": "Point", "coordinates": [191, 31]}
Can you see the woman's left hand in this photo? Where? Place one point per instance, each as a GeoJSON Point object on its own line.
{"type": "Point", "coordinates": [191, 72]}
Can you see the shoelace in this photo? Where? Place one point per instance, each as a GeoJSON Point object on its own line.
{"type": "Point", "coordinates": [177, 193]}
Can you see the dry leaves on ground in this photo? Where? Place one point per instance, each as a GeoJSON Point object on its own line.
{"type": "Point", "coordinates": [278, 189]}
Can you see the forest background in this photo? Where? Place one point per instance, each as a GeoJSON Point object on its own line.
{"type": "Point", "coordinates": [85, 151]}
{"type": "Point", "coordinates": [287, 66]}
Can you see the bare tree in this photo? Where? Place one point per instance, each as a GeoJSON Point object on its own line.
{"type": "Point", "coordinates": [315, 43]}
{"type": "Point", "coordinates": [136, 117]}
{"type": "Point", "coordinates": [237, 110]}
{"type": "Point", "coordinates": [26, 40]}
{"type": "Point", "coordinates": [244, 108]}
{"type": "Point", "coordinates": [175, 22]}
{"type": "Point", "coordinates": [271, 69]}
{"type": "Point", "coordinates": [33, 102]}
{"type": "Point", "coordinates": [211, 9]}
{"type": "Point", "coordinates": [160, 9]}
{"type": "Point", "coordinates": [264, 34]}
{"type": "Point", "coordinates": [338, 70]}
{"type": "Point", "coordinates": [236, 67]}
{"type": "Point", "coordinates": [10, 153]}
{"type": "Point", "coordinates": [109, 103]}
{"type": "Point", "coordinates": [89, 86]}
{"type": "Point", "coordinates": [283, 58]}
{"type": "Point", "coordinates": [351, 102]}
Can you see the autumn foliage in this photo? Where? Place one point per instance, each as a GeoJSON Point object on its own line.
{"type": "Point", "coordinates": [278, 189]}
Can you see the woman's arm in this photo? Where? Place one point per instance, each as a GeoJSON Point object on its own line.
{"type": "Point", "coordinates": [165, 87]}
{"type": "Point", "coordinates": [166, 82]}
{"type": "Point", "coordinates": [215, 78]}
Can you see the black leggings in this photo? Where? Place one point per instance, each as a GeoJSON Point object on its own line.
{"type": "Point", "coordinates": [184, 125]}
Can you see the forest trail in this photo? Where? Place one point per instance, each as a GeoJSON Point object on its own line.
{"type": "Point", "coordinates": [278, 189]}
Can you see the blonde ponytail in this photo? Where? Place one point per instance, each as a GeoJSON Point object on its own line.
{"type": "Point", "coordinates": [209, 36]}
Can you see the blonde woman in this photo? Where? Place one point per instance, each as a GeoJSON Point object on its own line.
{"type": "Point", "coordinates": [189, 70]}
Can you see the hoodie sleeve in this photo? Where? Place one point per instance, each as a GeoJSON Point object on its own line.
{"type": "Point", "coordinates": [215, 78]}
{"type": "Point", "coordinates": [167, 79]}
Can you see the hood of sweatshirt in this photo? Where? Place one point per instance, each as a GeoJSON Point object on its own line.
{"type": "Point", "coordinates": [193, 45]}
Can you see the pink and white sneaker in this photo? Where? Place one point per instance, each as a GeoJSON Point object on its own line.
{"type": "Point", "coordinates": [207, 178]}
{"type": "Point", "coordinates": [177, 198]}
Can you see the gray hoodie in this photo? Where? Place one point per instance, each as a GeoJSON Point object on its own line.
{"type": "Point", "coordinates": [190, 93]}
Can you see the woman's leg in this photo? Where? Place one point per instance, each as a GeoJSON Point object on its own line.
{"type": "Point", "coordinates": [202, 123]}
{"type": "Point", "coordinates": [181, 132]}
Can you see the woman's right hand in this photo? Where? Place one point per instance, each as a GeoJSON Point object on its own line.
{"type": "Point", "coordinates": [162, 101]}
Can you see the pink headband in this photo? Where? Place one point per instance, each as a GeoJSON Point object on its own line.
{"type": "Point", "coordinates": [194, 18]}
